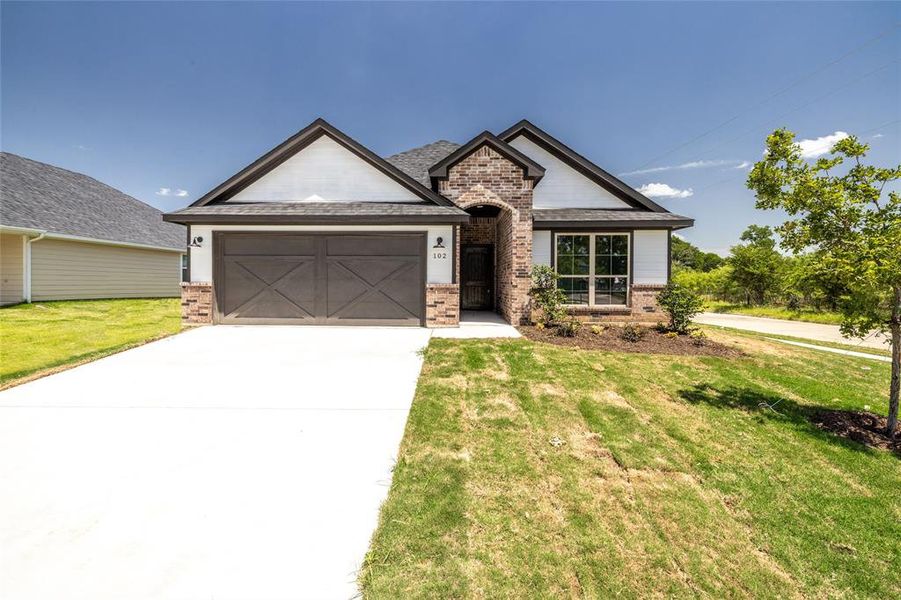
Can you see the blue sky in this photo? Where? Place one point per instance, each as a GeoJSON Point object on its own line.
{"type": "Point", "coordinates": [180, 96]}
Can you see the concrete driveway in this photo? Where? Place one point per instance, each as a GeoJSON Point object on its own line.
{"type": "Point", "coordinates": [225, 462]}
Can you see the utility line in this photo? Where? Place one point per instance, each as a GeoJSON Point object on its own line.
{"type": "Point", "coordinates": [774, 95]}
{"type": "Point", "coordinates": [799, 107]}
{"type": "Point", "coordinates": [734, 177]}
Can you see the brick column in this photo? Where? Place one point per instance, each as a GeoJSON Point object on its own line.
{"type": "Point", "coordinates": [442, 305]}
{"type": "Point", "coordinates": [196, 303]}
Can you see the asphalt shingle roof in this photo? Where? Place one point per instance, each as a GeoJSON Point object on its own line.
{"type": "Point", "coordinates": [313, 210]}
{"type": "Point", "coordinates": [416, 162]}
{"type": "Point", "coordinates": [36, 195]}
{"type": "Point", "coordinates": [572, 215]}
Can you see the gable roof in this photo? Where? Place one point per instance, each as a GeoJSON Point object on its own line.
{"type": "Point", "coordinates": [581, 164]}
{"type": "Point", "coordinates": [416, 162]}
{"type": "Point", "coordinates": [531, 169]}
{"type": "Point", "coordinates": [298, 142]}
{"type": "Point", "coordinates": [35, 195]}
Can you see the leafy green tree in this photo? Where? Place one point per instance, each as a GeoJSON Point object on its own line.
{"type": "Point", "coordinates": [686, 254]}
{"type": "Point", "coordinates": [839, 207]}
{"type": "Point", "coordinates": [756, 264]}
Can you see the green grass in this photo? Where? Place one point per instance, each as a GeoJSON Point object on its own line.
{"type": "Point", "coordinates": [42, 337]}
{"type": "Point", "coordinates": [671, 479]}
{"type": "Point", "coordinates": [808, 315]}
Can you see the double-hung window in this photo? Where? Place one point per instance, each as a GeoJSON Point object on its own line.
{"type": "Point", "coordinates": [593, 268]}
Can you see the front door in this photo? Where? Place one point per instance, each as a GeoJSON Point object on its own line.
{"type": "Point", "coordinates": [477, 277]}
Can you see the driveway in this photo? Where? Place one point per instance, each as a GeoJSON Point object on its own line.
{"type": "Point", "coordinates": [798, 329]}
{"type": "Point", "coordinates": [225, 462]}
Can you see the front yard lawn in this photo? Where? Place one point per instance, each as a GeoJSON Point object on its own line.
{"type": "Point", "coordinates": [44, 336]}
{"type": "Point", "coordinates": [533, 471]}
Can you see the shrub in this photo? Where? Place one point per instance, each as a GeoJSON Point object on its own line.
{"type": "Point", "coordinates": [569, 327]}
{"type": "Point", "coordinates": [671, 334]}
{"type": "Point", "coordinates": [545, 295]}
{"type": "Point", "coordinates": [597, 329]}
{"type": "Point", "coordinates": [681, 304]}
{"type": "Point", "coordinates": [631, 332]}
{"type": "Point", "coordinates": [698, 337]}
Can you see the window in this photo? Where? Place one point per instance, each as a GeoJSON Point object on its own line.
{"type": "Point", "coordinates": [593, 268]}
{"type": "Point", "coordinates": [184, 267]}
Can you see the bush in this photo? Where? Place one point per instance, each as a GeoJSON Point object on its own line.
{"type": "Point", "coordinates": [631, 332]}
{"type": "Point", "coordinates": [671, 334]}
{"type": "Point", "coordinates": [545, 295]}
{"type": "Point", "coordinates": [597, 329]}
{"type": "Point", "coordinates": [681, 304]}
{"type": "Point", "coordinates": [569, 328]}
{"type": "Point", "coordinates": [698, 337]}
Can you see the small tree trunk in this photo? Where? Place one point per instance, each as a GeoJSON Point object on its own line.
{"type": "Point", "coordinates": [895, 327]}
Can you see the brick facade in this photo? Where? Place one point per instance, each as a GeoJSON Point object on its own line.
{"type": "Point", "coordinates": [643, 308]}
{"type": "Point", "coordinates": [487, 178]}
{"type": "Point", "coordinates": [479, 230]}
{"type": "Point", "coordinates": [442, 305]}
{"type": "Point", "coordinates": [196, 303]}
{"type": "Point", "coordinates": [644, 303]}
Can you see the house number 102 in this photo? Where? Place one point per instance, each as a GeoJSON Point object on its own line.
{"type": "Point", "coordinates": [439, 254]}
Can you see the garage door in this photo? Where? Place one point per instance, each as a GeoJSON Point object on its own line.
{"type": "Point", "coordinates": [320, 279]}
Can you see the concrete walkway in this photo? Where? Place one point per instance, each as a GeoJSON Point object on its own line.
{"type": "Point", "coordinates": [225, 462]}
{"type": "Point", "coordinates": [798, 329]}
{"type": "Point", "coordinates": [475, 324]}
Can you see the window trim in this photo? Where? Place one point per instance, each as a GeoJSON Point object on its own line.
{"type": "Point", "coordinates": [591, 275]}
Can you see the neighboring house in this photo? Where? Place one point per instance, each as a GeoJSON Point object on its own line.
{"type": "Point", "coordinates": [66, 236]}
{"type": "Point", "coordinates": [320, 230]}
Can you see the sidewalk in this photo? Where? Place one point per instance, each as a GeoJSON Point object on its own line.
{"type": "Point", "coordinates": [798, 329]}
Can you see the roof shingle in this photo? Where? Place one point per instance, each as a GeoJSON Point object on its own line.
{"type": "Point", "coordinates": [416, 162]}
{"type": "Point", "coordinates": [36, 195]}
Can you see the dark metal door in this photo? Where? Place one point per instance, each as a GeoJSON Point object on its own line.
{"type": "Point", "coordinates": [477, 277]}
{"type": "Point", "coordinates": [320, 279]}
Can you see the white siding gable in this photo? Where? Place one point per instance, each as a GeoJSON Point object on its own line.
{"type": "Point", "coordinates": [541, 247]}
{"type": "Point", "coordinates": [325, 171]}
{"type": "Point", "coordinates": [562, 186]}
{"type": "Point", "coordinates": [651, 257]}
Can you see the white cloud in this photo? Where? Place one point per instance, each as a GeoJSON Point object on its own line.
{"type": "Point", "coordinates": [821, 145]}
{"type": "Point", "coordinates": [695, 164]}
{"type": "Point", "coordinates": [170, 192]}
{"type": "Point", "coordinates": [877, 136]}
{"type": "Point", "coordinates": [662, 190]}
{"type": "Point", "coordinates": [744, 165]}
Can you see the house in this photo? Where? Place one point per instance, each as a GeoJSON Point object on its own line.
{"type": "Point", "coordinates": [66, 236]}
{"type": "Point", "coordinates": [320, 230]}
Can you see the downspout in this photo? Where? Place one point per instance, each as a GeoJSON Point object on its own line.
{"type": "Point", "coordinates": [28, 243]}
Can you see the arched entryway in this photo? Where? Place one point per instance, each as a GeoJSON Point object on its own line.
{"type": "Point", "coordinates": [488, 269]}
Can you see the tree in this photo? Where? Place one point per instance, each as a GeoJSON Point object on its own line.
{"type": "Point", "coordinates": [756, 264]}
{"type": "Point", "coordinates": [838, 208]}
{"type": "Point", "coordinates": [685, 254]}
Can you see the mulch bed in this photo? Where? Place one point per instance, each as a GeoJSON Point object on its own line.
{"type": "Point", "coordinates": [863, 427]}
{"type": "Point", "coordinates": [652, 342]}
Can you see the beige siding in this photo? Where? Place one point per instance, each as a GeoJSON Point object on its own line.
{"type": "Point", "coordinates": [63, 270]}
{"type": "Point", "coordinates": [11, 268]}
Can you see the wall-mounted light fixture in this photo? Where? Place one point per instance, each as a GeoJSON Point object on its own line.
{"type": "Point", "coordinates": [439, 243]}
{"type": "Point", "coordinates": [196, 242]}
